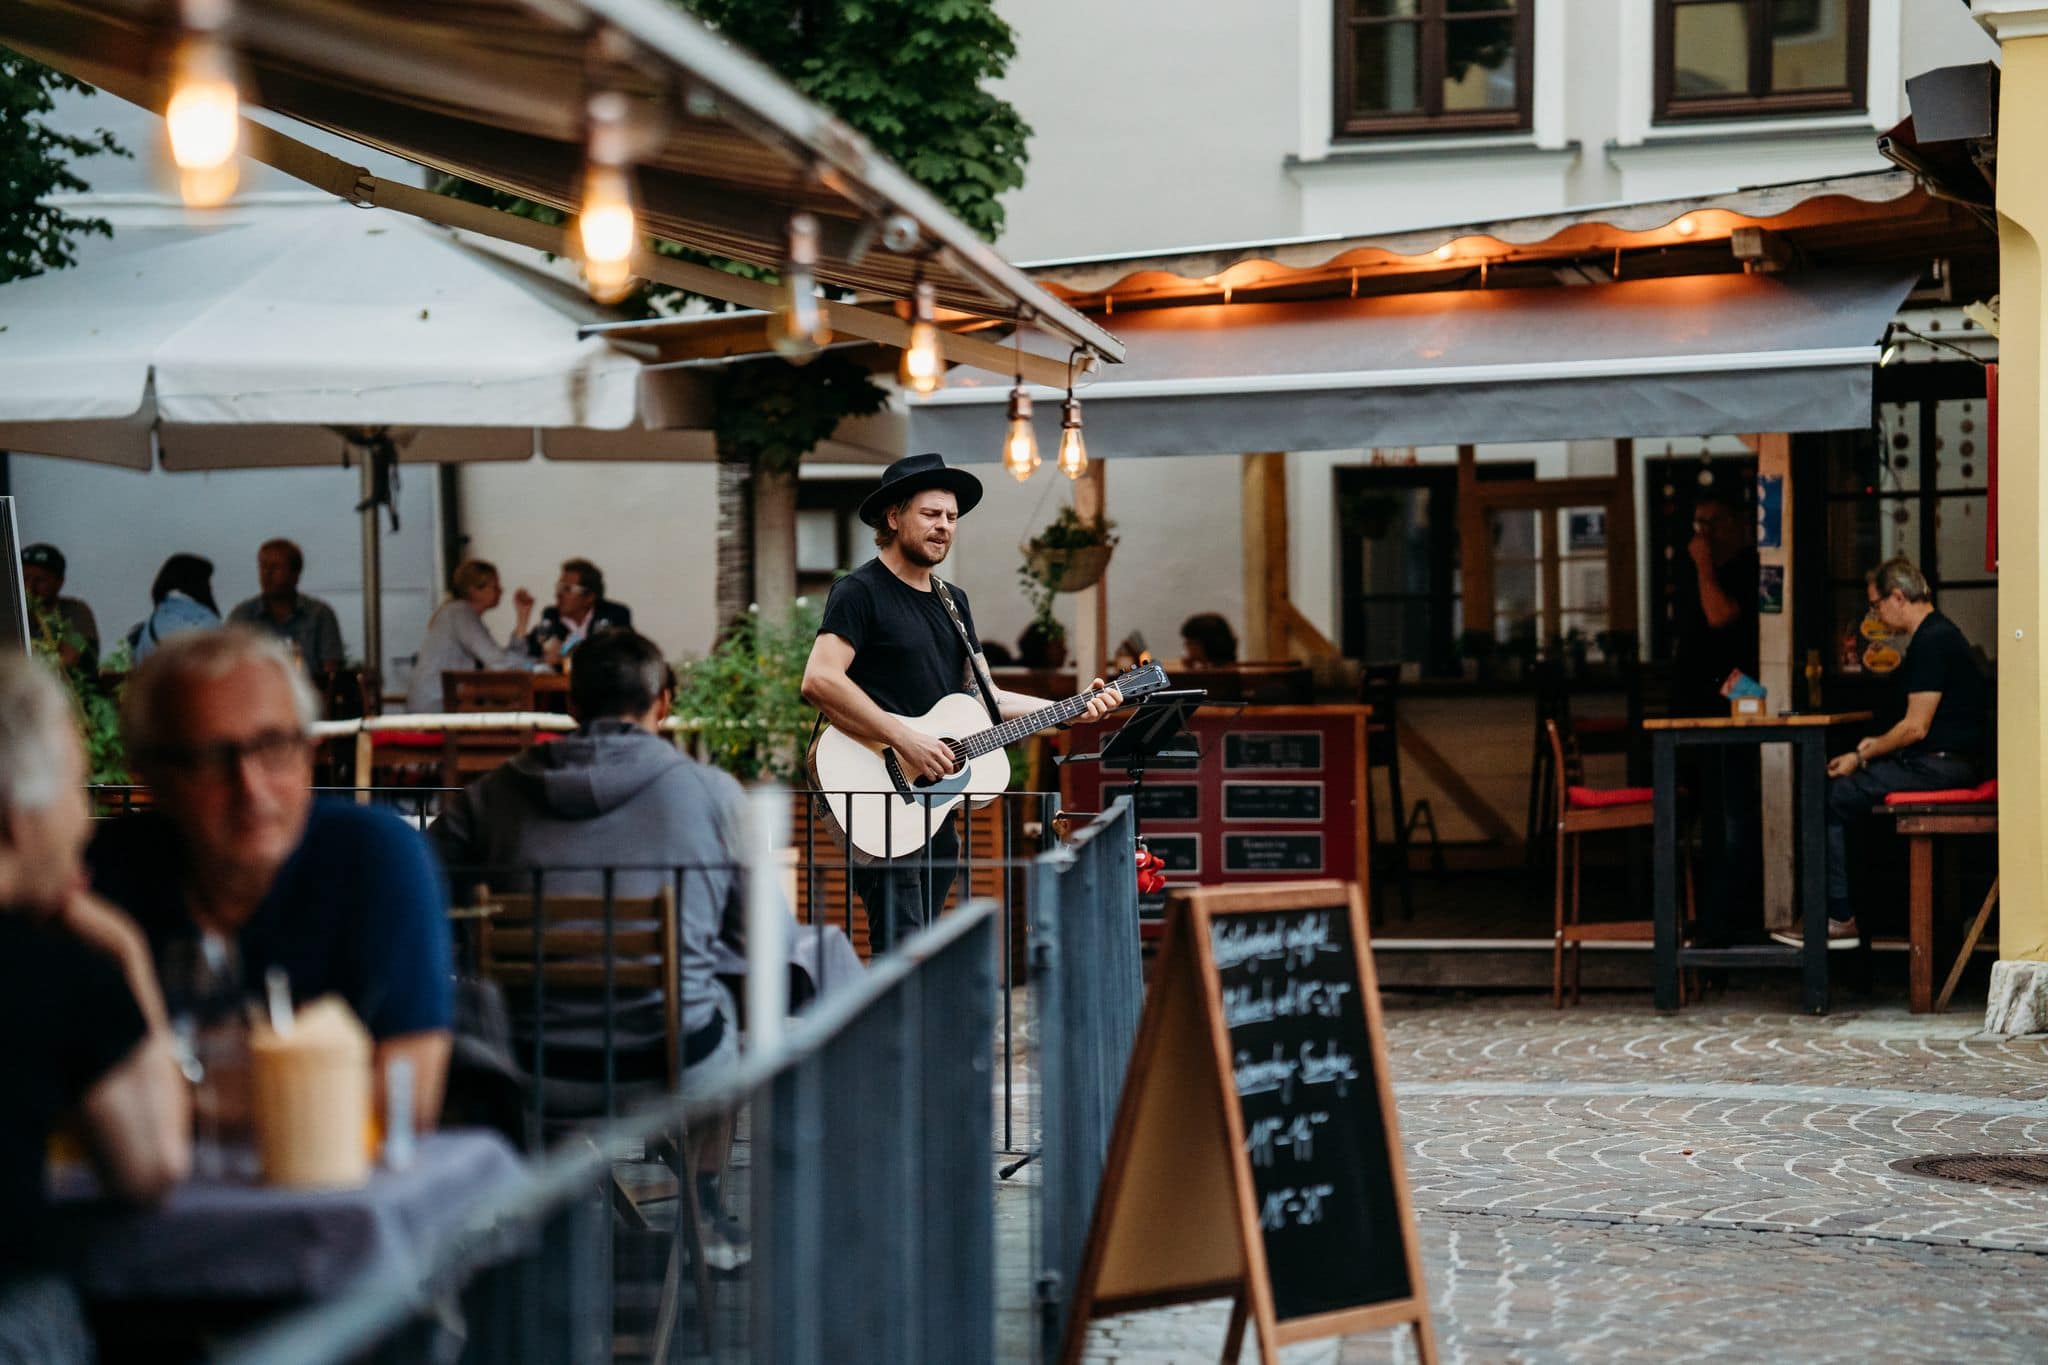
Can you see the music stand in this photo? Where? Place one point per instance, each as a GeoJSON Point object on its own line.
{"type": "Point", "coordinates": [1156, 736]}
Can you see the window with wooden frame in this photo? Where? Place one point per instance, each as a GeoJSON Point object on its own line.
{"type": "Point", "coordinates": [1433, 66]}
{"type": "Point", "coordinates": [1760, 58]}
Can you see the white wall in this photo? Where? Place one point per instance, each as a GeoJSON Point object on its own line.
{"type": "Point", "coordinates": [1154, 123]}
{"type": "Point", "coordinates": [1178, 522]}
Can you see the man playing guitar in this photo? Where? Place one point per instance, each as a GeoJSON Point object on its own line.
{"type": "Point", "coordinates": [891, 646]}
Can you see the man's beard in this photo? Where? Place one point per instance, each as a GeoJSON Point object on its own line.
{"type": "Point", "coordinates": [913, 549]}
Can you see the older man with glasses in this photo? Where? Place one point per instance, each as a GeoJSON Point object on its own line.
{"type": "Point", "coordinates": [346, 899]}
{"type": "Point", "coordinates": [581, 610]}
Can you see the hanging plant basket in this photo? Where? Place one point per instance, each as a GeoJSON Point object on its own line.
{"type": "Point", "coordinates": [1069, 570]}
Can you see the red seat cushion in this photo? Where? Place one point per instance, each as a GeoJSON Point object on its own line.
{"type": "Point", "coordinates": [1948, 796]}
{"type": "Point", "coordinates": [1599, 725]}
{"type": "Point", "coordinates": [1597, 798]}
{"type": "Point", "coordinates": [406, 739]}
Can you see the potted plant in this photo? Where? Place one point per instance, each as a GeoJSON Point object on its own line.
{"type": "Point", "coordinates": [746, 695]}
{"type": "Point", "coordinates": [1070, 554]}
{"type": "Point", "coordinates": [1044, 642]}
{"type": "Point", "coordinates": [99, 714]}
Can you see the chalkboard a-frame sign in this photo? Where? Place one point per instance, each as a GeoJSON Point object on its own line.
{"type": "Point", "coordinates": [1255, 1155]}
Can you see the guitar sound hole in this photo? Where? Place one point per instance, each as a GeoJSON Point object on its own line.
{"type": "Point", "coordinates": [923, 782]}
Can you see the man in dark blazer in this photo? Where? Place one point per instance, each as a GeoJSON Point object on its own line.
{"type": "Point", "coordinates": [580, 610]}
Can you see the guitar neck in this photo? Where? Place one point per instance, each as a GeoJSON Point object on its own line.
{"type": "Point", "coordinates": [1023, 727]}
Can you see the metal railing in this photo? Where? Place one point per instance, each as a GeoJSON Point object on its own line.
{"type": "Point", "coordinates": [996, 843]}
{"type": "Point", "coordinates": [872, 1207]}
{"type": "Point", "coordinates": [1087, 988]}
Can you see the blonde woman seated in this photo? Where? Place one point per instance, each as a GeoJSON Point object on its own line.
{"type": "Point", "coordinates": [457, 638]}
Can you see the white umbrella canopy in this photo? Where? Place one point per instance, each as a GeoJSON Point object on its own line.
{"type": "Point", "coordinates": [267, 344]}
{"type": "Point", "coordinates": [318, 335]}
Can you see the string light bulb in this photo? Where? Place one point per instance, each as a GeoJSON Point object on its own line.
{"type": "Point", "coordinates": [1020, 442]}
{"type": "Point", "coordinates": [203, 117]}
{"type": "Point", "coordinates": [607, 224]}
{"type": "Point", "coordinates": [797, 329]}
{"type": "Point", "coordinates": [1073, 456]}
{"type": "Point", "coordinates": [922, 368]}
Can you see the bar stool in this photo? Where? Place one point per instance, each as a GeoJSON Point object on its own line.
{"type": "Point", "coordinates": [1583, 810]}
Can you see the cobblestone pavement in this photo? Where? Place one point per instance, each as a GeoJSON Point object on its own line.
{"type": "Point", "coordinates": [1607, 1184]}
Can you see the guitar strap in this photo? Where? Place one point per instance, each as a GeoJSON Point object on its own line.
{"type": "Point", "coordinates": [984, 686]}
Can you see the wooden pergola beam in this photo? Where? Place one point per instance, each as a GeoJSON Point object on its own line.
{"type": "Point", "coordinates": [358, 186]}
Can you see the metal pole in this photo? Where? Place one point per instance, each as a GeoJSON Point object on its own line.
{"type": "Point", "coordinates": [767, 921]}
{"type": "Point", "coordinates": [373, 569]}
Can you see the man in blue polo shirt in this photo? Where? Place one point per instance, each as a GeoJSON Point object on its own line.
{"type": "Point", "coordinates": [346, 899]}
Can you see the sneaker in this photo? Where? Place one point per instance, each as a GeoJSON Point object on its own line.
{"type": "Point", "coordinates": [1841, 934]}
{"type": "Point", "coordinates": [726, 1247]}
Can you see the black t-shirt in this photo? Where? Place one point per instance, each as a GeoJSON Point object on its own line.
{"type": "Point", "coordinates": [906, 653]}
{"type": "Point", "coordinates": [68, 1019]}
{"type": "Point", "coordinates": [1707, 656]}
{"type": "Point", "coordinates": [1938, 660]}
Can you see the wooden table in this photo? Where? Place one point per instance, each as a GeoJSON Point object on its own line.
{"type": "Point", "coordinates": [1807, 734]}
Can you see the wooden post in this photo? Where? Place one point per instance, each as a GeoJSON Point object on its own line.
{"type": "Point", "coordinates": [1775, 672]}
{"type": "Point", "coordinates": [774, 541]}
{"type": "Point", "coordinates": [1265, 556]}
{"type": "Point", "coordinates": [1091, 613]}
{"type": "Point", "coordinates": [1475, 546]}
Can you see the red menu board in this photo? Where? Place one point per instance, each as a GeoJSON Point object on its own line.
{"type": "Point", "coordinates": [1279, 796]}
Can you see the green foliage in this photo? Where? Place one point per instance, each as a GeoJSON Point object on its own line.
{"type": "Point", "coordinates": [1068, 532]}
{"type": "Point", "coordinates": [747, 695]}
{"type": "Point", "coordinates": [909, 74]}
{"type": "Point", "coordinates": [35, 162]}
{"type": "Point", "coordinates": [1040, 594]}
{"type": "Point", "coordinates": [772, 413]}
{"type": "Point", "coordinates": [99, 719]}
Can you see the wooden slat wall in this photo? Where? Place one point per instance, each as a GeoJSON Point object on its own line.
{"type": "Point", "coordinates": [988, 848]}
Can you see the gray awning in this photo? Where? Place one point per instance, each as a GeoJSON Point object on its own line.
{"type": "Point", "coordinates": [1697, 355]}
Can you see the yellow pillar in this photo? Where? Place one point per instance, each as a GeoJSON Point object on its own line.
{"type": "Point", "coordinates": [2019, 996]}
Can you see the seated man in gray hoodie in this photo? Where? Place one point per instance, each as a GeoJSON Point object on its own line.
{"type": "Point", "coordinates": [616, 794]}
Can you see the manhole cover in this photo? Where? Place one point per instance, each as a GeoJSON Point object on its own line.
{"type": "Point", "coordinates": [2021, 1170]}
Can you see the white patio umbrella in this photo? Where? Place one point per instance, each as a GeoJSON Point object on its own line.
{"type": "Point", "coordinates": [323, 335]}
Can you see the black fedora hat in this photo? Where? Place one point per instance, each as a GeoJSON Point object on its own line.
{"type": "Point", "coordinates": [914, 474]}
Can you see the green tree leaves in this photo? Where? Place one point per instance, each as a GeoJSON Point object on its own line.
{"type": "Point", "coordinates": [36, 162]}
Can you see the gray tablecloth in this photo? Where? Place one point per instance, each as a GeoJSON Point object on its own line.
{"type": "Point", "coordinates": [217, 1241]}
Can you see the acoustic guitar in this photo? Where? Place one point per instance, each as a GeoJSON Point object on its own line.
{"type": "Point", "coordinates": [882, 813]}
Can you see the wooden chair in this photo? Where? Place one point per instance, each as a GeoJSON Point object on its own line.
{"type": "Point", "coordinates": [1583, 810]}
{"type": "Point", "coordinates": [464, 756]}
{"type": "Point", "coordinates": [1923, 817]}
{"type": "Point", "coordinates": [563, 940]}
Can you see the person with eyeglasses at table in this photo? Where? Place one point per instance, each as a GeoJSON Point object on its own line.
{"type": "Point", "coordinates": [580, 610]}
{"type": "Point", "coordinates": [346, 899]}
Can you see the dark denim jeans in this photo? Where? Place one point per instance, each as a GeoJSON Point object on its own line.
{"type": "Point", "coordinates": [905, 895]}
{"type": "Point", "coordinates": [1854, 797]}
